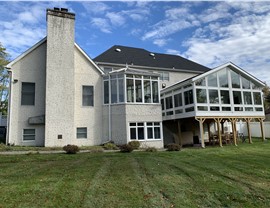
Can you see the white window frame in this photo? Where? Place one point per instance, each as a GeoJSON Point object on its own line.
{"type": "Point", "coordinates": [81, 133]}
{"type": "Point", "coordinates": [145, 126]}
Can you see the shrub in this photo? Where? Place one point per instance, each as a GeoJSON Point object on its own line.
{"type": "Point", "coordinates": [173, 147]}
{"type": "Point", "coordinates": [135, 144]}
{"type": "Point", "coordinates": [110, 146]}
{"type": "Point", "coordinates": [71, 149]}
{"type": "Point", "coordinates": [126, 148]}
{"type": "Point", "coordinates": [150, 149]}
{"type": "Point", "coordinates": [96, 149]}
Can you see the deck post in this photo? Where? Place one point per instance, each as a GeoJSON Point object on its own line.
{"type": "Point", "coordinates": [248, 128]}
{"type": "Point", "coordinates": [262, 128]}
{"type": "Point", "coordinates": [179, 133]}
{"type": "Point", "coordinates": [219, 132]}
{"type": "Point", "coordinates": [201, 120]}
{"type": "Point", "coordinates": [233, 122]}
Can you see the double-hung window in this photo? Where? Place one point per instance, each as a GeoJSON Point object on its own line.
{"type": "Point", "coordinates": [28, 93]}
{"type": "Point", "coordinates": [88, 96]}
{"type": "Point", "coordinates": [145, 130]}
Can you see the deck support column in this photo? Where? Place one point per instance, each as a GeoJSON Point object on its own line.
{"type": "Point", "coordinates": [248, 128]}
{"type": "Point", "coordinates": [262, 128]}
{"type": "Point", "coordinates": [218, 120]}
{"type": "Point", "coordinates": [233, 122]}
{"type": "Point", "coordinates": [179, 133]}
{"type": "Point", "coordinates": [201, 120]}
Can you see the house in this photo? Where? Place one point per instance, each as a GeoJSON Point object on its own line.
{"type": "Point", "coordinates": [59, 95]}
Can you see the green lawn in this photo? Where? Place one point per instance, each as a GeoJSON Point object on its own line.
{"type": "Point", "coordinates": [212, 177]}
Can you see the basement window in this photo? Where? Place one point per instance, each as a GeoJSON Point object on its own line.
{"type": "Point", "coordinates": [29, 134]}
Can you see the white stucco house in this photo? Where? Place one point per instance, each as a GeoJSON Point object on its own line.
{"type": "Point", "coordinates": [59, 95]}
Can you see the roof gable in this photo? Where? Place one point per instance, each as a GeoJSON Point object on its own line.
{"type": "Point", "coordinates": [141, 57]}
{"type": "Point", "coordinates": [233, 67]}
{"type": "Point", "coordinates": [43, 41]}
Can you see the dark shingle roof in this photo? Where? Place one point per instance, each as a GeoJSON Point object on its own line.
{"type": "Point", "coordinates": [142, 57]}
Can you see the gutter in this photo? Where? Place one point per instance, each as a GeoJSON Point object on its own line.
{"type": "Point", "coordinates": [9, 104]}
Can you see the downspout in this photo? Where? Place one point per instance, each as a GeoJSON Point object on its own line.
{"type": "Point", "coordinates": [9, 104]}
{"type": "Point", "coordinates": [110, 116]}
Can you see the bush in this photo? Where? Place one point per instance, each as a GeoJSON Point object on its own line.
{"type": "Point", "coordinates": [126, 148]}
{"type": "Point", "coordinates": [110, 146]}
{"type": "Point", "coordinates": [173, 147]}
{"type": "Point", "coordinates": [150, 149]}
{"type": "Point", "coordinates": [135, 144]}
{"type": "Point", "coordinates": [96, 149]}
{"type": "Point", "coordinates": [71, 149]}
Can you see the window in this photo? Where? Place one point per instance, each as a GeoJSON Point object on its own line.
{"type": "Point", "coordinates": [164, 76]}
{"type": "Point", "coordinates": [28, 93]}
{"type": "Point", "coordinates": [201, 96]}
{"type": "Point", "coordinates": [107, 69]}
{"type": "Point", "coordinates": [88, 96]}
{"type": "Point", "coordinates": [121, 90]}
{"type": "Point", "coordinates": [257, 98]}
{"type": "Point", "coordinates": [106, 92]}
{"type": "Point", "coordinates": [247, 98]}
{"type": "Point", "coordinates": [138, 90]}
{"type": "Point", "coordinates": [188, 97]}
{"type": "Point", "coordinates": [213, 96]}
{"type": "Point", "coordinates": [202, 108]}
{"type": "Point", "coordinates": [162, 104]}
{"type": "Point", "coordinates": [113, 91]}
{"type": "Point", "coordinates": [145, 130]}
{"type": "Point", "coordinates": [155, 91]}
{"type": "Point", "coordinates": [81, 133]}
{"type": "Point", "coordinates": [200, 82]}
{"type": "Point", "coordinates": [237, 98]}
{"type": "Point", "coordinates": [235, 80]}
{"type": "Point", "coordinates": [147, 91]}
{"type": "Point", "coordinates": [225, 97]}
{"type": "Point", "coordinates": [29, 134]}
{"type": "Point", "coordinates": [212, 80]}
{"type": "Point", "coordinates": [223, 78]}
{"type": "Point", "coordinates": [130, 90]}
{"type": "Point", "coordinates": [178, 100]}
{"type": "Point", "coordinates": [245, 83]}
{"type": "Point", "coordinates": [169, 103]}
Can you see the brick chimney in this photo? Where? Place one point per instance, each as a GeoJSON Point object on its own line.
{"type": "Point", "coordinates": [60, 85]}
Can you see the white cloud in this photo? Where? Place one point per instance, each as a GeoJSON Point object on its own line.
{"type": "Point", "coordinates": [116, 19]}
{"type": "Point", "coordinates": [101, 24]}
{"type": "Point", "coordinates": [173, 51]}
{"type": "Point", "coordinates": [160, 42]}
{"type": "Point", "coordinates": [95, 7]}
{"type": "Point", "coordinates": [243, 40]}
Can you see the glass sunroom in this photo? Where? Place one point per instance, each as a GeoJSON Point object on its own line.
{"type": "Point", "coordinates": [224, 94]}
{"type": "Point", "coordinates": [132, 107]}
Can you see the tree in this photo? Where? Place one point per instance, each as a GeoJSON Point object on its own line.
{"type": "Point", "coordinates": [266, 95]}
{"type": "Point", "coordinates": [4, 81]}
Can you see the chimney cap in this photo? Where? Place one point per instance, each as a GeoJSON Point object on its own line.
{"type": "Point", "coordinates": [64, 10]}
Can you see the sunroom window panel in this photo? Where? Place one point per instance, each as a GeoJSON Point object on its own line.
{"type": "Point", "coordinates": [178, 100]}
{"type": "Point", "coordinates": [247, 98]}
{"type": "Point", "coordinates": [138, 89]}
{"type": "Point", "coordinates": [200, 82]}
{"type": "Point", "coordinates": [121, 90]}
{"type": "Point", "coordinates": [130, 90]}
{"type": "Point", "coordinates": [188, 97]}
{"type": "Point", "coordinates": [162, 104]}
{"type": "Point", "coordinates": [114, 91]}
{"type": "Point", "coordinates": [235, 80]}
{"type": "Point", "coordinates": [225, 97]}
{"type": "Point", "coordinates": [201, 96]}
{"type": "Point", "coordinates": [106, 92]}
{"type": "Point", "coordinates": [257, 98]}
{"type": "Point", "coordinates": [212, 80]}
{"type": "Point", "coordinates": [155, 91]}
{"type": "Point", "coordinates": [237, 97]}
{"type": "Point", "coordinates": [223, 78]}
{"type": "Point", "coordinates": [213, 96]}
{"type": "Point", "coordinates": [147, 91]}
{"type": "Point", "coordinates": [245, 83]}
{"type": "Point", "coordinates": [169, 103]}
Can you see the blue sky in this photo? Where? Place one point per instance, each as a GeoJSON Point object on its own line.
{"type": "Point", "coordinates": [210, 33]}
